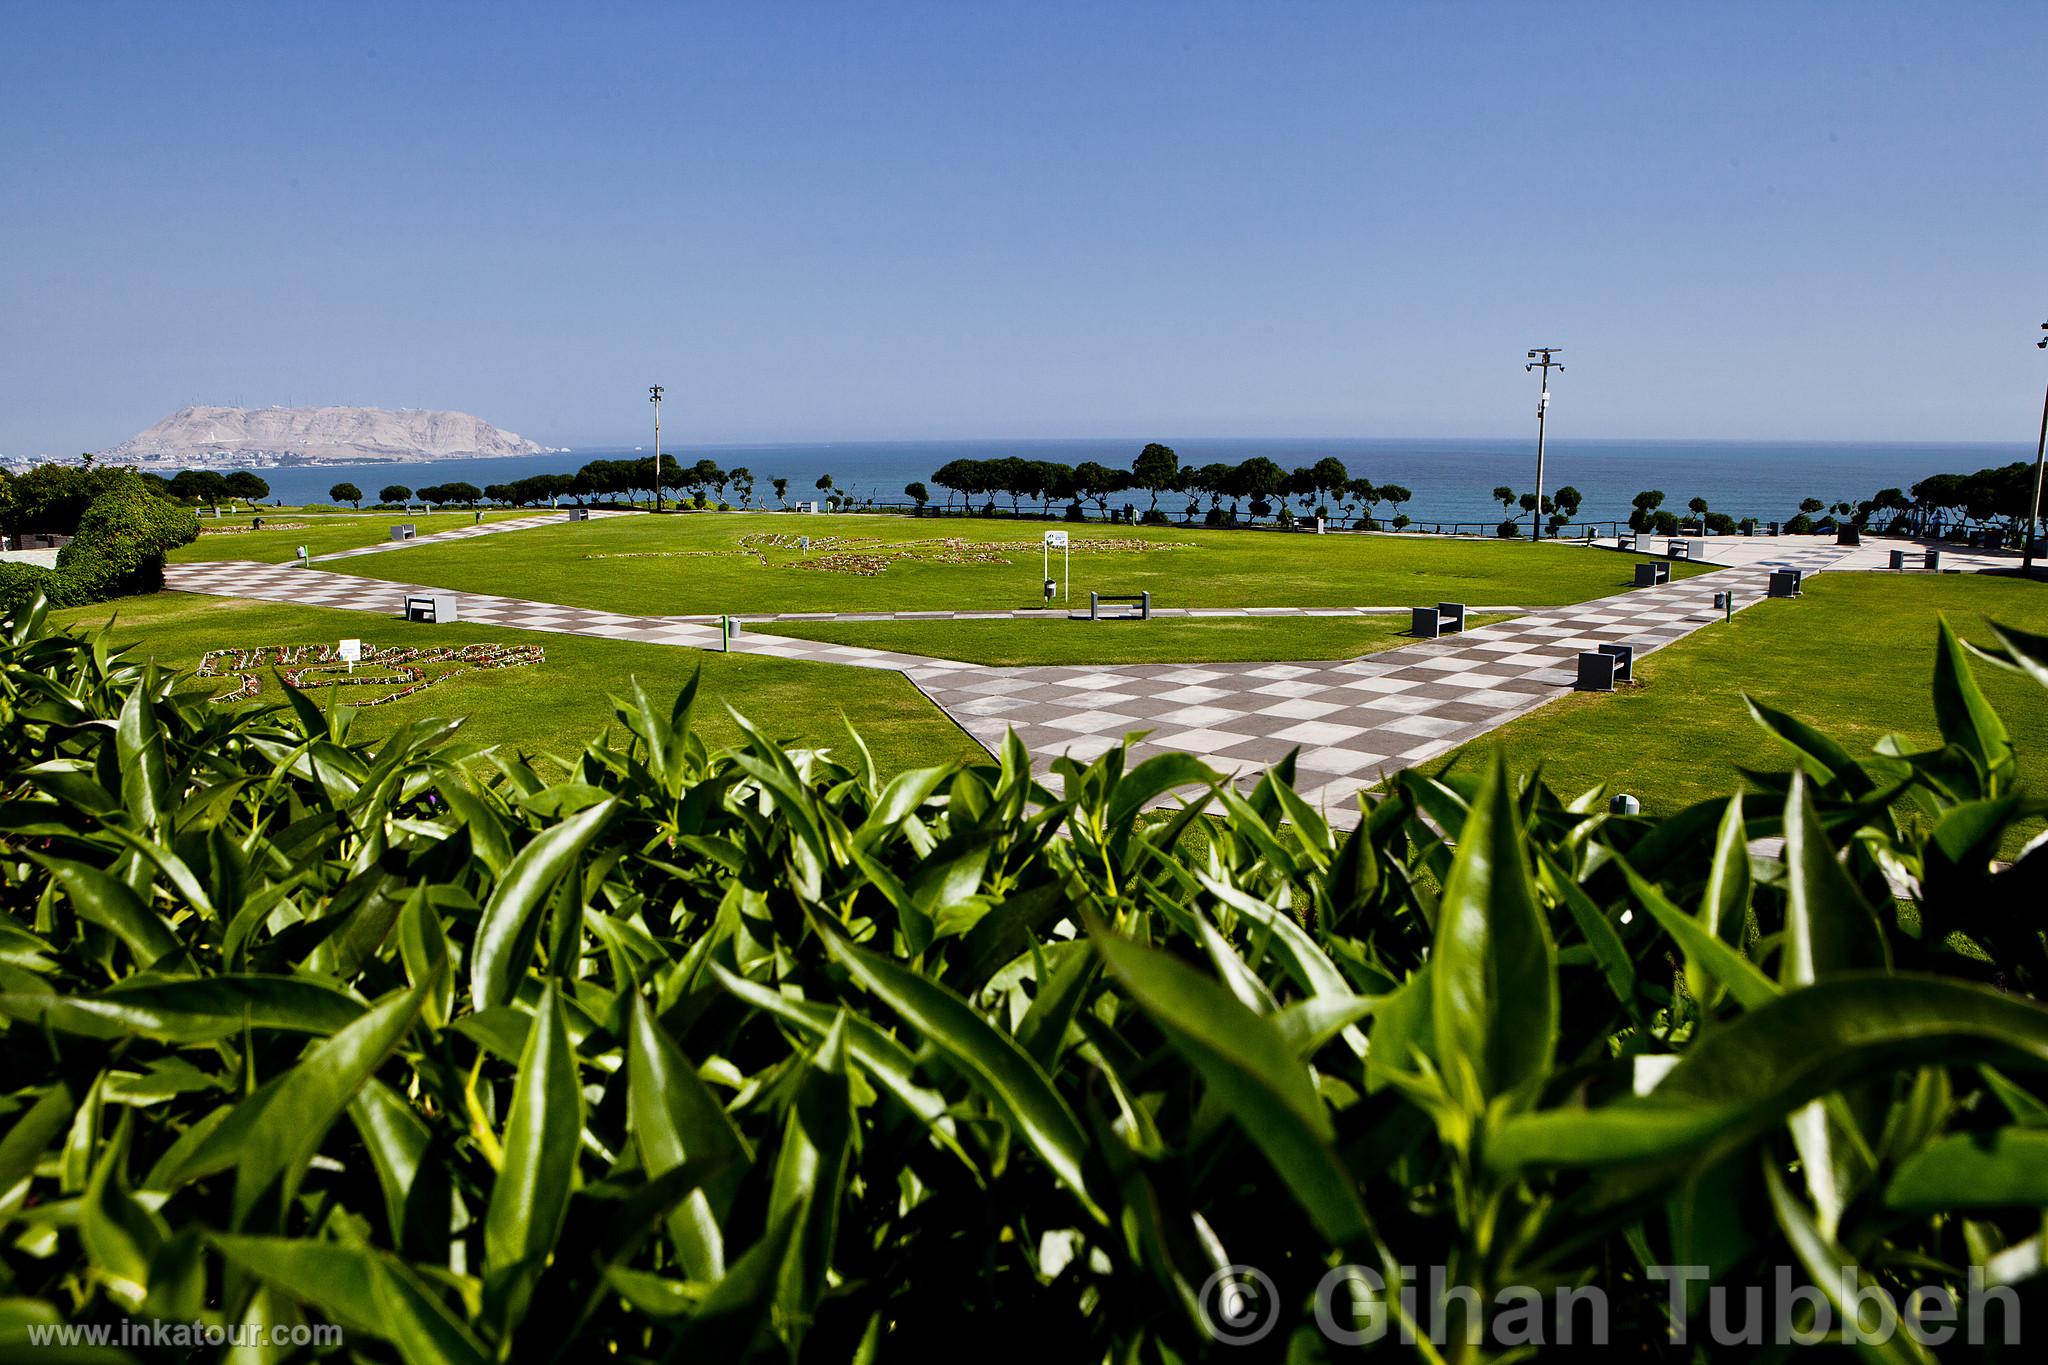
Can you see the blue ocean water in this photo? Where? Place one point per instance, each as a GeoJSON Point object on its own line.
{"type": "Point", "coordinates": [1451, 479]}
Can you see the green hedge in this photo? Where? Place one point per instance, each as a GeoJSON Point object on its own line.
{"type": "Point", "coordinates": [723, 1055]}
{"type": "Point", "coordinates": [118, 549]}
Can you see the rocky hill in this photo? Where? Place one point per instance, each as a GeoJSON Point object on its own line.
{"type": "Point", "coordinates": [198, 436]}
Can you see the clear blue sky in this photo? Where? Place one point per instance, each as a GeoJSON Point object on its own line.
{"type": "Point", "coordinates": [884, 220]}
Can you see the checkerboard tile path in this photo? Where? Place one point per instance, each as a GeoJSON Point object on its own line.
{"type": "Point", "coordinates": [1353, 722]}
{"type": "Point", "coordinates": [487, 528]}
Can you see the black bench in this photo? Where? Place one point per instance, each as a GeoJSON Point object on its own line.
{"type": "Point", "coordinates": [1784, 583]}
{"type": "Point", "coordinates": [1143, 599]}
{"type": "Point", "coordinates": [1650, 573]}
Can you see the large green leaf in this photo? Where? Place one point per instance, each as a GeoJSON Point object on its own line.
{"type": "Point", "coordinates": [676, 1118]}
{"type": "Point", "coordinates": [1966, 718]}
{"type": "Point", "coordinates": [1253, 1070]}
{"type": "Point", "coordinates": [505, 938]}
{"type": "Point", "coordinates": [293, 1120]}
{"type": "Point", "coordinates": [1001, 1070]}
{"type": "Point", "coordinates": [2003, 1168]}
{"type": "Point", "coordinates": [1493, 972]}
{"type": "Point", "coordinates": [542, 1134]}
{"type": "Point", "coordinates": [1742, 1079]}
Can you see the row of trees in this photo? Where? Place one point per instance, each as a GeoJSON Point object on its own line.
{"type": "Point", "coordinates": [1559, 508]}
{"type": "Point", "coordinates": [1257, 486]}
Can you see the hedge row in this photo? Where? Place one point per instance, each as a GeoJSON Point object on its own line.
{"type": "Point", "coordinates": [122, 537]}
{"type": "Point", "coordinates": [758, 1054]}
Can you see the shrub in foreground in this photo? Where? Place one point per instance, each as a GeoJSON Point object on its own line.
{"type": "Point", "coordinates": [714, 1055]}
{"type": "Point", "coordinates": [122, 537]}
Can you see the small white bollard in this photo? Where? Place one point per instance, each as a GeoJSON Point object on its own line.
{"type": "Point", "coordinates": [305, 558]}
{"type": "Point", "coordinates": [1624, 804]}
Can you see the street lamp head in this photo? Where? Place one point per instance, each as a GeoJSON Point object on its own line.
{"type": "Point", "coordinates": [654, 393]}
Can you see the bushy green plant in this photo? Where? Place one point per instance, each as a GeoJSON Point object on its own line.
{"type": "Point", "coordinates": [710, 1055]}
{"type": "Point", "coordinates": [122, 538]}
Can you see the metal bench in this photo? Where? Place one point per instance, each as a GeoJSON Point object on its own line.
{"type": "Point", "coordinates": [1932, 561]}
{"type": "Point", "coordinates": [1596, 671]}
{"type": "Point", "coordinates": [1784, 583]}
{"type": "Point", "coordinates": [405, 530]}
{"type": "Point", "coordinates": [1625, 542]}
{"type": "Point", "coordinates": [579, 514]}
{"type": "Point", "coordinates": [1450, 617]}
{"type": "Point", "coordinates": [1678, 549]}
{"type": "Point", "coordinates": [1650, 573]}
{"type": "Point", "coordinates": [437, 607]}
{"type": "Point", "coordinates": [1624, 661]}
{"type": "Point", "coordinates": [1143, 599]}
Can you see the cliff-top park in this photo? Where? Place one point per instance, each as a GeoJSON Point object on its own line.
{"type": "Point", "coordinates": [1133, 684]}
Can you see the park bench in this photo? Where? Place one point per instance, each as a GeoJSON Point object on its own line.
{"type": "Point", "coordinates": [1600, 669]}
{"type": "Point", "coordinates": [437, 607]}
{"type": "Point", "coordinates": [1784, 582]}
{"type": "Point", "coordinates": [1430, 622]}
{"type": "Point", "coordinates": [1678, 549]}
{"type": "Point", "coordinates": [1650, 573]}
{"type": "Point", "coordinates": [1929, 560]}
{"type": "Point", "coordinates": [405, 530]}
{"type": "Point", "coordinates": [1143, 613]}
{"type": "Point", "coordinates": [579, 514]}
{"type": "Point", "coordinates": [1627, 542]}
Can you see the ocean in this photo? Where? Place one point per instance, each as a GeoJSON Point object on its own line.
{"type": "Point", "coordinates": [1451, 479]}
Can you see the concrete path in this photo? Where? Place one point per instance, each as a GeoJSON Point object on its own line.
{"type": "Point", "coordinates": [484, 528]}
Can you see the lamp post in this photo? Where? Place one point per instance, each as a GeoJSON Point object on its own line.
{"type": "Point", "coordinates": [654, 397]}
{"type": "Point", "coordinates": [1540, 359]}
{"type": "Point", "coordinates": [2040, 450]}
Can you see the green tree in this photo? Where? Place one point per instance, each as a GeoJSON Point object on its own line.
{"type": "Point", "coordinates": [1257, 481]}
{"type": "Point", "coordinates": [346, 492]}
{"type": "Point", "coordinates": [394, 492]}
{"type": "Point", "coordinates": [918, 494]}
{"type": "Point", "coordinates": [247, 485]}
{"type": "Point", "coordinates": [1155, 468]}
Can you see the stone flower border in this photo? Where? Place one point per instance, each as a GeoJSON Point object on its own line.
{"type": "Point", "coordinates": [245, 530]}
{"type": "Point", "coordinates": [297, 663]}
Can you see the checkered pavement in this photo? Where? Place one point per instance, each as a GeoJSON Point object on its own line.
{"type": "Point", "coordinates": [1354, 722]}
{"type": "Point", "coordinates": [486, 528]}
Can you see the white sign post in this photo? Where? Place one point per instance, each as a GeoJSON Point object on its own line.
{"type": "Point", "coordinates": [1058, 538]}
{"type": "Point", "coordinates": [351, 652]}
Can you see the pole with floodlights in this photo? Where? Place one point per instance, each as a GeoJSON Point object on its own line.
{"type": "Point", "coordinates": [1540, 359]}
{"type": "Point", "coordinates": [654, 397]}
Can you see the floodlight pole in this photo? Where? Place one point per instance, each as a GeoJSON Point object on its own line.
{"type": "Point", "coordinates": [654, 397]}
{"type": "Point", "coordinates": [1540, 359]}
{"type": "Point", "coordinates": [2040, 451]}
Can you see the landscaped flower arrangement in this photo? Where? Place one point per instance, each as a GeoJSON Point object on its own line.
{"type": "Point", "coordinates": [867, 557]}
{"type": "Point", "coordinates": [245, 530]}
{"type": "Point", "coordinates": [406, 670]}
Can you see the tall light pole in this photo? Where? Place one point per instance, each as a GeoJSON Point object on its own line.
{"type": "Point", "coordinates": [2040, 451]}
{"type": "Point", "coordinates": [654, 397]}
{"type": "Point", "coordinates": [1540, 359]}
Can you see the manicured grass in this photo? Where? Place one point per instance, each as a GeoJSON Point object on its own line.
{"type": "Point", "coordinates": [560, 705]}
{"type": "Point", "coordinates": [706, 570]}
{"type": "Point", "coordinates": [1060, 641]}
{"type": "Point", "coordinates": [324, 534]}
{"type": "Point", "coordinates": [1854, 656]}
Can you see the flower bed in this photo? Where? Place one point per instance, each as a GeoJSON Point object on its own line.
{"type": "Point", "coordinates": [867, 557]}
{"type": "Point", "coordinates": [406, 670]}
{"type": "Point", "coordinates": [245, 530]}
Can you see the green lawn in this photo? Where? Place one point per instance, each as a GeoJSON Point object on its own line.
{"type": "Point", "coordinates": [1059, 641]}
{"type": "Point", "coordinates": [559, 705]}
{"type": "Point", "coordinates": [692, 563]}
{"type": "Point", "coordinates": [1854, 655]}
{"type": "Point", "coordinates": [324, 533]}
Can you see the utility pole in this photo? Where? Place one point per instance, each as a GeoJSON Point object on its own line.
{"type": "Point", "coordinates": [2040, 451]}
{"type": "Point", "coordinates": [1540, 359]}
{"type": "Point", "coordinates": [654, 397]}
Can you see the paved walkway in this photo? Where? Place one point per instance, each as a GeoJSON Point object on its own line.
{"type": "Point", "coordinates": [482, 528]}
{"type": "Point", "coordinates": [1353, 721]}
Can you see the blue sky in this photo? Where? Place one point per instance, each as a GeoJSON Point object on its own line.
{"type": "Point", "coordinates": [886, 220]}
